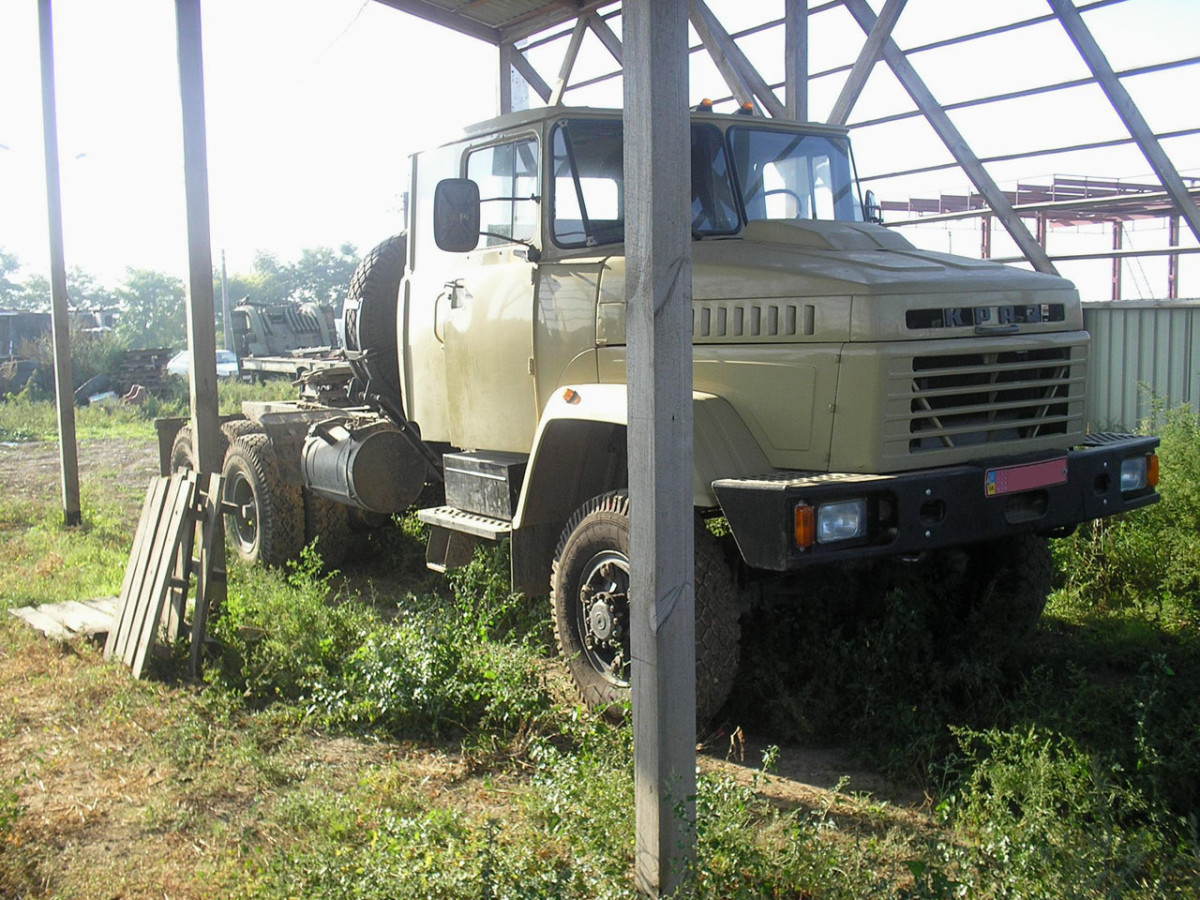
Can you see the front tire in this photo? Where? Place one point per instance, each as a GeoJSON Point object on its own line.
{"type": "Point", "coordinates": [589, 595]}
{"type": "Point", "coordinates": [267, 525]}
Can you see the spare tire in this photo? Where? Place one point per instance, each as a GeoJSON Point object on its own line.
{"type": "Point", "coordinates": [369, 317]}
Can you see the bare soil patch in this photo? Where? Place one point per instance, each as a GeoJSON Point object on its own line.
{"type": "Point", "coordinates": [29, 471]}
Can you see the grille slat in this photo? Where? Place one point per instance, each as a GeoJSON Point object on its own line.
{"type": "Point", "coordinates": [966, 399]}
{"type": "Point", "coordinates": [957, 391]}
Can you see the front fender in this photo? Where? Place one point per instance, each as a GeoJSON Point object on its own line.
{"type": "Point", "coordinates": [580, 452]}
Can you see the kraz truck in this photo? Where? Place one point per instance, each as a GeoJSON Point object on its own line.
{"type": "Point", "coordinates": [858, 403]}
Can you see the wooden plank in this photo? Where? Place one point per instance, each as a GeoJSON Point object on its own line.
{"type": "Point", "coordinates": [180, 578]}
{"type": "Point", "coordinates": [178, 520]}
{"type": "Point", "coordinates": [795, 55]}
{"type": "Point", "coordinates": [1125, 107]}
{"type": "Point", "coordinates": [210, 577]}
{"type": "Point", "coordinates": [867, 57]}
{"type": "Point", "coordinates": [47, 624]}
{"type": "Point", "coordinates": [568, 62]}
{"type": "Point", "coordinates": [82, 618]}
{"type": "Point", "coordinates": [152, 559]}
{"type": "Point", "coordinates": [955, 142]}
{"type": "Point", "coordinates": [135, 567]}
{"type": "Point", "coordinates": [658, 287]}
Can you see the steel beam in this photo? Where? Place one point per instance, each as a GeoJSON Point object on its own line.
{"type": "Point", "coordinates": [880, 33]}
{"type": "Point", "coordinates": [658, 290]}
{"type": "Point", "coordinates": [1173, 259]}
{"type": "Point", "coordinates": [568, 63]}
{"type": "Point", "coordinates": [1081, 37]}
{"type": "Point", "coordinates": [731, 60]}
{"type": "Point", "coordinates": [1029, 154]}
{"type": "Point", "coordinates": [955, 142]}
{"type": "Point", "coordinates": [60, 325]}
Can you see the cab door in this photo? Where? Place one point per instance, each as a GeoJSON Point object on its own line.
{"type": "Point", "coordinates": [486, 309]}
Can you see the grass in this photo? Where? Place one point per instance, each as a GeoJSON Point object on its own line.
{"type": "Point", "coordinates": [376, 733]}
{"type": "Point", "coordinates": [30, 417]}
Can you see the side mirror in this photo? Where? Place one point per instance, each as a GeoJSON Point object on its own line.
{"type": "Point", "coordinates": [873, 211]}
{"type": "Point", "coordinates": [456, 215]}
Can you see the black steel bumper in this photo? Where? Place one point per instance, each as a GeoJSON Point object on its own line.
{"type": "Point", "coordinates": [911, 512]}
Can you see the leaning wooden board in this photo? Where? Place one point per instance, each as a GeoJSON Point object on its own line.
{"type": "Point", "coordinates": [166, 515]}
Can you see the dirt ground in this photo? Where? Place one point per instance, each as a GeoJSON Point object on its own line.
{"type": "Point", "coordinates": [803, 775]}
{"type": "Point", "coordinates": [30, 471]}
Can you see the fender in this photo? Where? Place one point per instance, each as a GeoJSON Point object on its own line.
{"type": "Point", "coordinates": [580, 451]}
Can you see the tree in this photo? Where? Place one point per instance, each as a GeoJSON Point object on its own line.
{"type": "Point", "coordinates": [152, 309]}
{"type": "Point", "coordinates": [320, 275]}
{"type": "Point", "coordinates": [9, 289]}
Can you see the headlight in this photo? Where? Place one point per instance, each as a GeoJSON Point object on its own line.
{"type": "Point", "coordinates": [843, 520]}
{"type": "Point", "coordinates": [1133, 473]}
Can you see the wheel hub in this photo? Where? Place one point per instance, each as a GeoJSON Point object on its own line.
{"type": "Point", "coordinates": [600, 618]}
{"type": "Point", "coordinates": [604, 615]}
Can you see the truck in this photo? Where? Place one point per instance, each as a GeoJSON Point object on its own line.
{"type": "Point", "coordinates": [288, 339]}
{"type": "Point", "coordinates": [858, 403]}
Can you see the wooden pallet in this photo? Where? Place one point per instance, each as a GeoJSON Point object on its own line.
{"type": "Point", "coordinates": [153, 600]}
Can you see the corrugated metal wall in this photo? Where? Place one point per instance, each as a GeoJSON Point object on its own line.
{"type": "Point", "coordinates": [1153, 344]}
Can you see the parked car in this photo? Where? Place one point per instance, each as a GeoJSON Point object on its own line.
{"type": "Point", "coordinates": [227, 364]}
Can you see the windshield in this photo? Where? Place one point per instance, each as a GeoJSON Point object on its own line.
{"type": "Point", "coordinates": [781, 175]}
{"type": "Point", "coordinates": [784, 175]}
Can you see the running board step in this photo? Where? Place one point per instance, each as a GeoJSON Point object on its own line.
{"type": "Point", "coordinates": [454, 534]}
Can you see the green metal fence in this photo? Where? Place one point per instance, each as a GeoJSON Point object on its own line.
{"type": "Point", "coordinates": [1141, 351]}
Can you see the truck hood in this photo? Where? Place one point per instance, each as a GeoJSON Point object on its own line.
{"type": "Point", "coordinates": [813, 258]}
{"type": "Point", "coordinates": [813, 281]}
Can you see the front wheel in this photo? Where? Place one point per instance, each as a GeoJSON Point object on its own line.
{"type": "Point", "coordinates": [589, 595]}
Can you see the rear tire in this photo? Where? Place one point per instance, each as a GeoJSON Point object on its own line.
{"type": "Point", "coordinates": [268, 526]}
{"type": "Point", "coordinates": [182, 457]}
{"type": "Point", "coordinates": [589, 596]}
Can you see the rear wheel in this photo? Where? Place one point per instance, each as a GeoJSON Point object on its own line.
{"type": "Point", "coordinates": [267, 523]}
{"type": "Point", "coordinates": [182, 456]}
{"type": "Point", "coordinates": [589, 593]}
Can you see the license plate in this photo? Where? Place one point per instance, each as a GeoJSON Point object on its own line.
{"type": "Point", "coordinates": [1011, 479]}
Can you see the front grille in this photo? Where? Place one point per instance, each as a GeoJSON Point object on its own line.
{"type": "Point", "coordinates": [966, 399]}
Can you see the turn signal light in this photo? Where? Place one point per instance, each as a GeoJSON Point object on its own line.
{"type": "Point", "coordinates": [805, 519]}
{"type": "Point", "coordinates": [1152, 470]}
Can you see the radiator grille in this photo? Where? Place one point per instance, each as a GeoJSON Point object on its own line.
{"type": "Point", "coordinates": [965, 399]}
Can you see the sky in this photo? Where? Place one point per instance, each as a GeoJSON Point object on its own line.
{"type": "Point", "coordinates": [314, 105]}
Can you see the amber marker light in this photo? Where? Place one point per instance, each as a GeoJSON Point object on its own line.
{"type": "Point", "coordinates": [1152, 470]}
{"type": "Point", "coordinates": [570, 396]}
{"type": "Point", "coordinates": [805, 520]}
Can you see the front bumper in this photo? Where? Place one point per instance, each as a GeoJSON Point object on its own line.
{"type": "Point", "coordinates": [912, 512]}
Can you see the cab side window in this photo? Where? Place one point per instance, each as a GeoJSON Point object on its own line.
{"type": "Point", "coordinates": [507, 175]}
